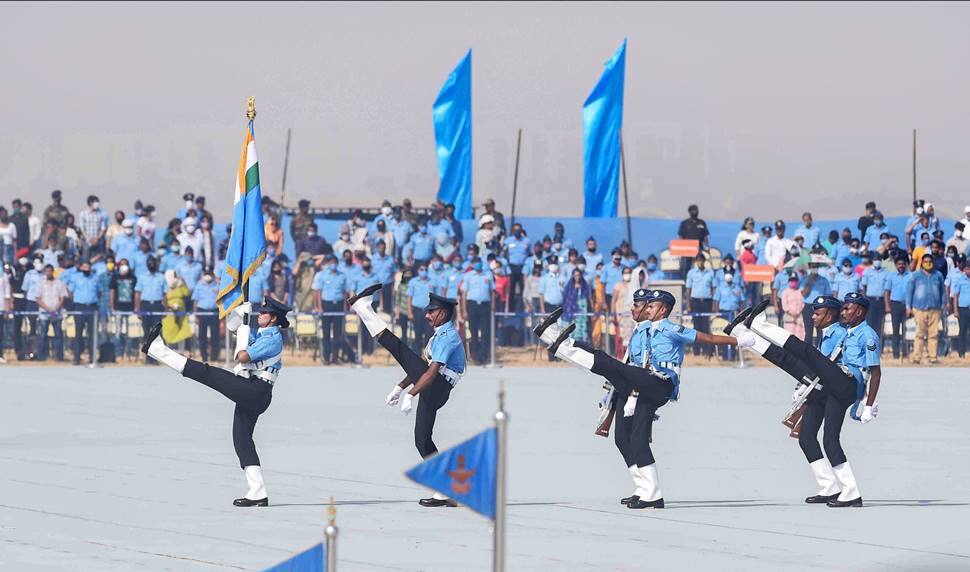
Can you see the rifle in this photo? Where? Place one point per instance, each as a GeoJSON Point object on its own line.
{"type": "Point", "coordinates": [606, 419]}
{"type": "Point", "coordinates": [793, 419]}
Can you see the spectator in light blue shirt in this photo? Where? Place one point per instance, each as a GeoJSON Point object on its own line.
{"type": "Point", "coordinates": [846, 281]}
{"type": "Point", "coordinates": [960, 290]}
{"type": "Point", "coordinates": [844, 247]}
{"type": "Point", "coordinates": [420, 247]}
{"type": "Point", "coordinates": [872, 239]}
{"type": "Point", "coordinates": [897, 284]}
{"type": "Point", "coordinates": [759, 247]}
{"type": "Point", "coordinates": [125, 244]}
{"type": "Point", "coordinates": [550, 289]}
{"type": "Point", "coordinates": [808, 230]}
{"type": "Point", "coordinates": [612, 274]}
{"type": "Point", "coordinates": [873, 284]}
{"type": "Point", "coordinates": [189, 269]}
{"type": "Point", "coordinates": [925, 301]}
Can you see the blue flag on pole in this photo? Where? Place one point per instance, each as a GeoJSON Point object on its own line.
{"type": "Point", "coordinates": [453, 138]}
{"type": "Point", "coordinates": [311, 560]}
{"type": "Point", "coordinates": [465, 473]}
{"type": "Point", "coordinates": [602, 122]}
{"type": "Point", "coordinates": [247, 243]}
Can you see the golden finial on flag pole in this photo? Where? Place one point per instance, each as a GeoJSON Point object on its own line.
{"type": "Point", "coordinates": [332, 513]}
{"type": "Point", "coordinates": [251, 108]}
{"type": "Point", "coordinates": [330, 536]}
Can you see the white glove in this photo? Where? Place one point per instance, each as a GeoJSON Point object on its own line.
{"type": "Point", "coordinates": [869, 413]}
{"type": "Point", "coordinates": [746, 339]}
{"type": "Point", "coordinates": [236, 317]}
{"type": "Point", "coordinates": [630, 406]}
{"type": "Point", "coordinates": [799, 392]}
{"type": "Point", "coordinates": [394, 397]}
{"type": "Point", "coordinates": [407, 403]}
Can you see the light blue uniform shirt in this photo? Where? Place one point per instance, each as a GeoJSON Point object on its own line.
{"type": "Point", "coordinates": [861, 352]}
{"type": "Point", "coordinates": [152, 286]}
{"type": "Point", "coordinates": [190, 271]}
{"type": "Point", "coordinates": [701, 283]}
{"type": "Point", "coordinates": [897, 283]}
{"type": "Point", "coordinates": [780, 282]}
{"type": "Point", "coordinates": [419, 290]}
{"type": "Point", "coordinates": [257, 287]}
{"type": "Point", "coordinates": [845, 283]}
{"type": "Point", "coordinates": [667, 341]}
{"type": "Point", "coordinates": [331, 284]}
{"type": "Point", "coordinates": [29, 285]}
{"type": "Point", "coordinates": [842, 250]}
{"type": "Point", "coordinates": [925, 291]}
{"type": "Point", "coordinates": [401, 230]}
{"type": "Point", "coordinates": [138, 262]}
{"type": "Point", "coordinates": [531, 261]}
{"type": "Point", "coordinates": [168, 262]}
{"type": "Point", "coordinates": [811, 235]}
{"type": "Point", "coordinates": [363, 280]}
{"type": "Point", "coordinates": [384, 268]}
{"type": "Point", "coordinates": [422, 246]}
{"type": "Point", "coordinates": [550, 287]}
{"type": "Point", "coordinates": [729, 297]}
{"type": "Point", "coordinates": [477, 287]}
{"type": "Point", "coordinates": [453, 279]}
{"type": "Point", "coordinates": [124, 246]}
{"type": "Point", "coordinates": [204, 295]}
{"type": "Point", "coordinates": [720, 273]}
{"type": "Point", "coordinates": [960, 289]}
{"type": "Point", "coordinates": [592, 259]}
{"type": "Point", "coordinates": [821, 287]}
{"type": "Point", "coordinates": [350, 271]}
{"type": "Point", "coordinates": [434, 229]}
{"type": "Point", "coordinates": [612, 275]}
{"type": "Point", "coordinates": [874, 282]}
{"type": "Point", "coordinates": [518, 249]}
{"type": "Point", "coordinates": [872, 235]}
{"type": "Point", "coordinates": [67, 276]}
{"type": "Point", "coordinates": [265, 343]}
{"type": "Point", "coordinates": [639, 346]}
{"type": "Point", "coordinates": [445, 347]}
{"type": "Point", "coordinates": [85, 289]}
{"type": "Point", "coordinates": [832, 337]}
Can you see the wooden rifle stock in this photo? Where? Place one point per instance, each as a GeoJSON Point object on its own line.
{"type": "Point", "coordinates": [794, 421]}
{"type": "Point", "coordinates": [604, 428]}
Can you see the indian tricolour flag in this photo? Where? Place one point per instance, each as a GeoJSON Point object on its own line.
{"type": "Point", "coordinates": [247, 243]}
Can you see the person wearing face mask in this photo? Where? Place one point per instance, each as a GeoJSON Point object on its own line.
{"type": "Point", "coordinates": [699, 293]}
{"type": "Point", "coordinates": [313, 244]}
{"type": "Point", "coordinates": [419, 291]}
{"type": "Point", "coordinates": [51, 294]}
{"type": "Point", "coordinates": [846, 281]}
{"type": "Point", "coordinates": [959, 240]}
{"type": "Point", "coordinates": [477, 299]}
{"type": "Point", "coordinates": [125, 244]}
{"type": "Point", "coordinates": [94, 225]}
{"type": "Point", "coordinates": [121, 300]}
{"type": "Point", "coordinates": [650, 384]}
{"type": "Point", "coordinates": [365, 278]}
{"type": "Point", "coordinates": [190, 270]}
{"type": "Point", "coordinates": [191, 237]}
{"type": "Point", "coordinates": [330, 290]}
{"type": "Point", "coordinates": [150, 290]}
{"type": "Point", "coordinates": [168, 258]}
{"type": "Point", "coordinates": [536, 258]}
{"type": "Point", "coordinates": [207, 316]}
{"type": "Point", "coordinates": [517, 248]}
{"type": "Point", "coordinates": [301, 220]}
{"type": "Point", "coordinates": [56, 213]}
{"type": "Point", "coordinates": [85, 290]}
{"type": "Point", "coordinates": [188, 206]}
{"type": "Point", "coordinates": [622, 297]}
{"type": "Point", "coordinates": [871, 236]}
{"type": "Point", "coordinates": [925, 300]}
{"type": "Point", "coordinates": [897, 282]}
{"type": "Point", "coordinates": [612, 274]}
{"type": "Point", "coordinates": [383, 234]}
{"type": "Point", "coordinates": [115, 228]}
{"type": "Point", "coordinates": [139, 259]}
{"type": "Point", "coordinates": [23, 285]}
{"type": "Point", "coordinates": [960, 291]}
{"type": "Point", "coordinates": [551, 290]}
{"type": "Point", "coordinates": [402, 229]}
{"type": "Point", "coordinates": [873, 285]}
{"type": "Point", "coordinates": [420, 247]}
{"type": "Point", "coordinates": [207, 243]}
{"type": "Point", "coordinates": [728, 297]}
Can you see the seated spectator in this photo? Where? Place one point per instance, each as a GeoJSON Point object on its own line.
{"type": "Point", "coordinates": [273, 232]}
{"type": "Point", "coordinates": [314, 244]}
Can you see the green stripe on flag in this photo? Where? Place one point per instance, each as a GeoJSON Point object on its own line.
{"type": "Point", "coordinates": [252, 177]}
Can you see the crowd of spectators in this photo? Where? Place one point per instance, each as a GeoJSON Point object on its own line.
{"type": "Point", "coordinates": [124, 267]}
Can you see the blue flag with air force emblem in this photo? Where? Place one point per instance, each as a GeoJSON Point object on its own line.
{"type": "Point", "coordinates": [465, 473]}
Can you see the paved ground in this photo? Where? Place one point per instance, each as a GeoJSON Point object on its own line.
{"type": "Point", "coordinates": [133, 469]}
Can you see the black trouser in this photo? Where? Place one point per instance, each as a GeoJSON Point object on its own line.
{"type": "Point", "coordinates": [209, 336]}
{"type": "Point", "coordinates": [430, 400]}
{"type": "Point", "coordinates": [333, 331]}
{"type": "Point", "coordinates": [251, 396]}
{"type": "Point", "coordinates": [422, 330]}
{"type": "Point", "coordinates": [83, 330]}
{"type": "Point", "coordinates": [622, 427]}
{"type": "Point", "coordinates": [810, 330]}
{"type": "Point", "coordinates": [702, 323]}
{"type": "Point", "coordinates": [148, 322]}
{"type": "Point", "coordinates": [654, 393]}
{"type": "Point", "coordinates": [824, 407]}
{"type": "Point", "coordinates": [876, 315]}
{"type": "Point", "coordinates": [897, 311]}
{"type": "Point", "coordinates": [516, 287]}
{"type": "Point", "coordinates": [550, 308]}
{"type": "Point", "coordinates": [387, 299]}
{"type": "Point", "coordinates": [19, 343]}
{"type": "Point", "coordinates": [963, 338]}
{"type": "Point", "coordinates": [480, 324]}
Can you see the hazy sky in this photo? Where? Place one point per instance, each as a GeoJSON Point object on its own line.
{"type": "Point", "coordinates": [745, 109]}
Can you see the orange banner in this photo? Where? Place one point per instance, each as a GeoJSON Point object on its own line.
{"type": "Point", "coordinates": [758, 273]}
{"type": "Point", "coordinates": [684, 247]}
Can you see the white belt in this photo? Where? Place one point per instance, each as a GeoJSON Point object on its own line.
{"type": "Point", "coordinates": [670, 365]}
{"type": "Point", "coordinates": [267, 375]}
{"type": "Point", "coordinates": [450, 376]}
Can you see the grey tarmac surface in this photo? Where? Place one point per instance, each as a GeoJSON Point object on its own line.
{"type": "Point", "coordinates": [133, 469]}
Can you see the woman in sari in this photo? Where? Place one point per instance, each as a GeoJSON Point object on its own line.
{"type": "Point", "coordinates": [622, 294]}
{"type": "Point", "coordinates": [176, 328]}
{"type": "Point", "coordinates": [576, 304]}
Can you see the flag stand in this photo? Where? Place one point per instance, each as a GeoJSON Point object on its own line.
{"type": "Point", "coordinates": [498, 534]}
{"type": "Point", "coordinates": [330, 539]}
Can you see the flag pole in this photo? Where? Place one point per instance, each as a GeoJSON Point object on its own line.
{"type": "Point", "coordinates": [330, 539]}
{"type": "Point", "coordinates": [251, 116]}
{"type": "Point", "coordinates": [498, 534]}
{"type": "Point", "coordinates": [515, 179]}
{"type": "Point", "coordinates": [626, 195]}
{"type": "Point", "coordinates": [286, 164]}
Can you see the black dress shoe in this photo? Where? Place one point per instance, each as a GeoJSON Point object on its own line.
{"type": "Point", "coordinates": [563, 336]}
{"type": "Point", "coordinates": [247, 502]}
{"type": "Point", "coordinates": [150, 337]}
{"type": "Point", "coordinates": [659, 503]}
{"type": "Point", "coordinates": [548, 321]}
{"type": "Point", "coordinates": [629, 499]}
{"type": "Point", "coordinates": [369, 291]}
{"type": "Point", "coordinates": [756, 310]}
{"type": "Point", "coordinates": [433, 502]}
{"type": "Point", "coordinates": [843, 504]}
{"type": "Point", "coordinates": [821, 499]}
{"type": "Point", "coordinates": [737, 320]}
